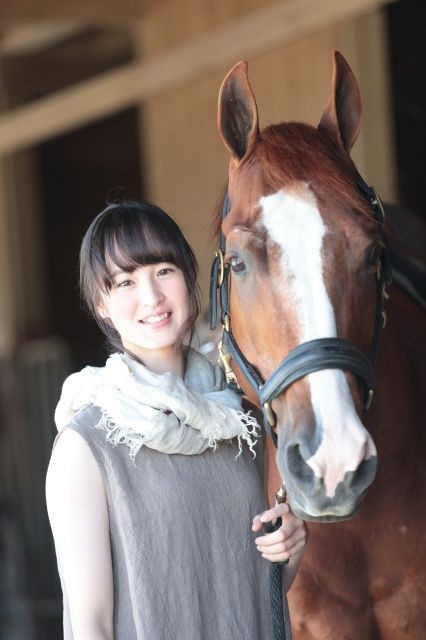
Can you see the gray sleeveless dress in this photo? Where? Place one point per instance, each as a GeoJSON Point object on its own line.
{"type": "Point", "coordinates": [185, 565]}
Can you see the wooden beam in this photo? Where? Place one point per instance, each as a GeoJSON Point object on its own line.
{"type": "Point", "coordinates": [98, 11]}
{"type": "Point", "coordinates": [254, 34]}
{"type": "Point", "coordinates": [27, 38]}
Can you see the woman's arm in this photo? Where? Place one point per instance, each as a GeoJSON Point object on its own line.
{"type": "Point", "coordinates": [78, 514]}
{"type": "Point", "coordinates": [287, 543]}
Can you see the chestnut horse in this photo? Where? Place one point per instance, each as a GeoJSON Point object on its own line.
{"type": "Point", "coordinates": [303, 244]}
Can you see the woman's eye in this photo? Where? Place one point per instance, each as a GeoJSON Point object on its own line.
{"type": "Point", "coordinates": [165, 271]}
{"type": "Point", "coordinates": [123, 284]}
{"type": "Point", "coordinates": [237, 265]}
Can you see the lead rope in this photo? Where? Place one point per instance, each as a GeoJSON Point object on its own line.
{"type": "Point", "coordinates": [276, 578]}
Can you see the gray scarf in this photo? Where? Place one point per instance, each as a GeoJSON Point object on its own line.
{"type": "Point", "coordinates": [159, 411]}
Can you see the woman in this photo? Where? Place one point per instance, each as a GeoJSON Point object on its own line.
{"type": "Point", "coordinates": [156, 470]}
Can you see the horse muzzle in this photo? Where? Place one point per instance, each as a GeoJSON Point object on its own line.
{"type": "Point", "coordinates": [324, 492]}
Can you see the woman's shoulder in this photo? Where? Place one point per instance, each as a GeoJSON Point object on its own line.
{"type": "Point", "coordinates": [71, 464]}
{"type": "Point", "coordinates": [82, 422]}
{"type": "Point", "coordinates": [78, 440]}
{"type": "Point", "coordinates": [79, 428]}
{"type": "Point", "coordinates": [85, 418]}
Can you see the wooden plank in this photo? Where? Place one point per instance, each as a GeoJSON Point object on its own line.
{"type": "Point", "coordinates": [259, 32]}
{"type": "Point", "coordinates": [25, 39]}
{"type": "Point", "coordinates": [94, 10]}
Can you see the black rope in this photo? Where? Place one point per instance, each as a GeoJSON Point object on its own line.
{"type": "Point", "coordinates": [276, 590]}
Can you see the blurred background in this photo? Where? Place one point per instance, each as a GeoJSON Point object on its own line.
{"type": "Point", "coordinates": [106, 99]}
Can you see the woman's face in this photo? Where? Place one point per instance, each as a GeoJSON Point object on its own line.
{"type": "Point", "coordinates": [147, 306]}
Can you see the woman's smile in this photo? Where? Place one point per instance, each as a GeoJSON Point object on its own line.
{"type": "Point", "coordinates": [157, 321]}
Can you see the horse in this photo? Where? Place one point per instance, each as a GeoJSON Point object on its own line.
{"type": "Point", "coordinates": [304, 262]}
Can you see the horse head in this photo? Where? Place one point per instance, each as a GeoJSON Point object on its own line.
{"type": "Point", "coordinates": [302, 255]}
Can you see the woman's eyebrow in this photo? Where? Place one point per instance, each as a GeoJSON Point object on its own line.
{"type": "Point", "coordinates": [117, 272]}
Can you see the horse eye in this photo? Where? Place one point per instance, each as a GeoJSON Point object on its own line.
{"type": "Point", "coordinates": [237, 265]}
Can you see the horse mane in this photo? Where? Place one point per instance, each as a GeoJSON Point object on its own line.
{"type": "Point", "coordinates": [293, 152]}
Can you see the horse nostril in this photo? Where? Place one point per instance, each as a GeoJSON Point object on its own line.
{"type": "Point", "coordinates": [361, 479]}
{"type": "Point", "coordinates": [296, 464]}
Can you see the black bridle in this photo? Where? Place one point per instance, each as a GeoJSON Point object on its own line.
{"type": "Point", "coordinates": [308, 357]}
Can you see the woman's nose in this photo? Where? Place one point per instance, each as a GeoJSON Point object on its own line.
{"type": "Point", "coordinates": [151, 294]}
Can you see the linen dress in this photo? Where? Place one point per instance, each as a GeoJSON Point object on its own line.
{"type": "Point", "coordinates": [185, 565]}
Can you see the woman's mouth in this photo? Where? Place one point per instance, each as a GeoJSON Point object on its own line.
{"type": "Point", "coordinates": [157, 320]}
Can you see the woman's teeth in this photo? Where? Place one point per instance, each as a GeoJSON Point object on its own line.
{"type": "Point", "coordinates": [153, 319]}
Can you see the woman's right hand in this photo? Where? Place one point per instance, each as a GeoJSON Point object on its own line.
{"type": "Point", "coordinates": [287, 543]}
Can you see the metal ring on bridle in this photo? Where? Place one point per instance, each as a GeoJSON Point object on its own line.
{"type": "Point", "coordinates": [226, 324]}
{"type": "Point", "coordinates": [272, 419]}
{"type": "Point", "coordinates": [221, 274]}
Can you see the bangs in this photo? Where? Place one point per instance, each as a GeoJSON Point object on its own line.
{"type": "Point", "coordinates": [130, 240]}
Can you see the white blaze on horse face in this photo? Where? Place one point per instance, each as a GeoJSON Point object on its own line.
{"type": "Point", "coordinates": [295, 224]}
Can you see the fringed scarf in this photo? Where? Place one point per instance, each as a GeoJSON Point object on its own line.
{"type": "Point", "coordinates": [159, 411]}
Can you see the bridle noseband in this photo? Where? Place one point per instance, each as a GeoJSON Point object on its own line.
{"type": "Point", "coordinates": [308, 357]}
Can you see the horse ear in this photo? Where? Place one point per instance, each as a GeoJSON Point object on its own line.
{"type": "Point", "coordinates": [342, 115]}
{"type": "Point", "coordinates": [238, 122]}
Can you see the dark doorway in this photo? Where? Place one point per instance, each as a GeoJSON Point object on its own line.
{"type": "Point", "coordinates": [79, 173]}
{"type": "Point", "coordinates": [407, 49]}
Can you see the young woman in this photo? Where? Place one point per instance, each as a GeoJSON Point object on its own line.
{"type": "Point", "coordinates": [155, 486]}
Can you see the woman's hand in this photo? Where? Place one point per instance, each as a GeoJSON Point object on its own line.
{"type": "Point", "coordinates": [286, 543]}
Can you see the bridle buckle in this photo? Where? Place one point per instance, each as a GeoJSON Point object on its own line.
{"type": "Point", "coordinates": [270, 415]}
{"type": "Point", "coordinates": [226, 323]}
{"type": "Point", "coordinates": [221, 273]}
{"type": "Point", "coordinates": [224, 361]}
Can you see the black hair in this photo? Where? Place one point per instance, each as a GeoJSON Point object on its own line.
{"type": "Point", "coordinates": [133, 234]}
